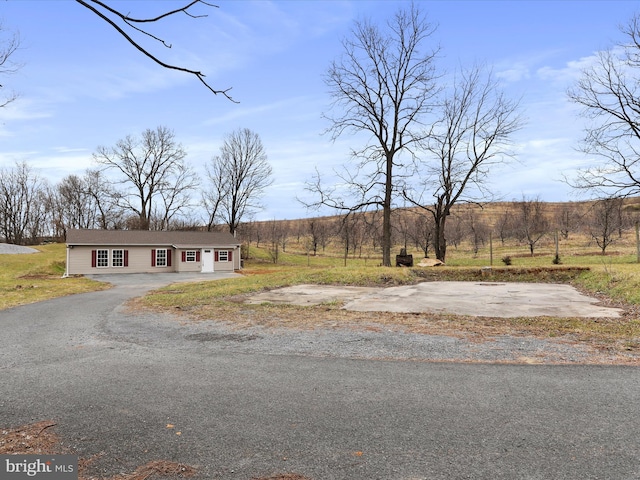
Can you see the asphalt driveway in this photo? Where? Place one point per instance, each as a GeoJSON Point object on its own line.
{"type": "Point", "coordinates": [114, 380]}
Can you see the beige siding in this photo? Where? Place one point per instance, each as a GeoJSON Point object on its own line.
{"type": "Point", "coordinates": [140, 261]}
{"type": "Point", "coordinates": [234, 264]}
{"type": "Point", "coordinates": [187, 266]}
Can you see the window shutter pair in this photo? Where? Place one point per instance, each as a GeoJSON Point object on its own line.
{"type": "Point", "coordinates": [153, 257]}
{"type": "Point", "coordinates": [94, 258]}
{"type": "Point", "coordinates": [184, 256]}
{"type": "Point", "coordinates": [229, 256]}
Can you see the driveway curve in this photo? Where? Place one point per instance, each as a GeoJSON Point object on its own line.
{"type": "Point", "coordinates": [137, 387]}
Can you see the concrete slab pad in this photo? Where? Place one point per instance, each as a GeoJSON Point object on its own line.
{"type": "Point", "coordinates": [485, 299]}
{"type": "Point", "coordinates": [308, 295]}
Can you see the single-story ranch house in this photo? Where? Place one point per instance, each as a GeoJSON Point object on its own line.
{"type": "Point", "coordinates": [141, 251]}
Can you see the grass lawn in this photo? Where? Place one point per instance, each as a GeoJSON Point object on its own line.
{"type": "Point", "coordinates": [29, 278]}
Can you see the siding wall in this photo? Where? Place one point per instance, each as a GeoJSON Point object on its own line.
{"type": "Point", "coordinates": [139, 261]}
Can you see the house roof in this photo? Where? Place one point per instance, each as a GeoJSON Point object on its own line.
{"type": "Point", "coordinates": [178, 239]}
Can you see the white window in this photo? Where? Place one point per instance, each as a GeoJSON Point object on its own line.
{"type": "Point", "coordinates": [117, 258]}
{"type": "Point", "coordinates": [191, 256]}
{"type": "Point", "coordinates": [161, 258]}
{"type": "Point", "coordinates": [102, 258]}
{"type": "Point", "coordinates": [223, 256]}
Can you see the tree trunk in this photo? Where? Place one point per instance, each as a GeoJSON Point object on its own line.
{"type": "Point", "coordinates": [386, 213]}
{"type": "Point", "coordinates": [440, 242]}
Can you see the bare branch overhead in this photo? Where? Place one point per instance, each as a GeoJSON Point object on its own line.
{"type": "Point", "coordinates": [102, 10]}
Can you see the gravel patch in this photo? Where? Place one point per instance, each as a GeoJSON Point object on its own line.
{"type": "Point", "coordinates": [8, 248]}
{"type": "Point", "coordinates": [394, 345]}
{"type": "Point", "coordinates": [371, 342]}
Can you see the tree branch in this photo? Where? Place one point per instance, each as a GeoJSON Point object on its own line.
{"type": "Point", "coordinates": [127, 20]}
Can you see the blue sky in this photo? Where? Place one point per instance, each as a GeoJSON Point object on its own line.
{"type": "Point", "coordinates": [82, 85]}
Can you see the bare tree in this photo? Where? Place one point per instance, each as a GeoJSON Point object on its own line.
{"type": "Point", "coordinates": [75, 206]}
{"type": "Point", "coordinates": [605, 220]}
{"type": "Point", "coordinates": [84, 202]}
{"type": "Point", "coordinates": [127, 26]}
{"type": "Point", "coordinates": [383, 86]}
{"type": "Point", "coordinates": [237, 178]}
{"type": "Point", "coordinates": [476, 228]}
{"type": "Point", "coordinates": [155, 180]}
{"type": "Point", "coordinates": [505, 224]}
{"type": "Point", "coordinates": [609, 92]}
{"type": "Point", "coordinates": [472, 135]}
{"type": "Point", "coordinates": [421, 232]}
{"type": "Point", "coordinates": [214, 192]}
{"type": "Point", "coordinates": [22, 204]}
{"type": "Point", "coordinates": [318, 230]}
{"type": "Point", "coordinates": [531, 221]}
{"type": "Point", "coordinates": [9, 43]}
{"type": "Point", "coordinates": [104, 198]}
{"type": "Point", "coordinates": [275, 232]}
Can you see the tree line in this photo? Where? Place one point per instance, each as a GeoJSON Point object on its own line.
{"type": "Point", "coordinates": [141, 182]}
{"type": "Point", "coordinates": [526, 223]}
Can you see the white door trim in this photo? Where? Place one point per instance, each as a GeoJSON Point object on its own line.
{"type": "Point", "coordinates": [207, 260]}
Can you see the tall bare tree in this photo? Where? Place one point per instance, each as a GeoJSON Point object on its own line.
{"type": "Point", "coordinates": [214, 192]}
{"type": "Point", "coordinates": [609, 92]}
{"type": "Point", "coordinates": [237, 178]}
{"type": "Point", "coordinates": [155, 181]}
{"type": "Point", "coordinates": [472, 135]}
{"type": "Point", "coordinates": [9, 44]}
{"type": "Point", "coordinates": [128, 26]}
{"type": "Point", "coordinates": [383, 86]}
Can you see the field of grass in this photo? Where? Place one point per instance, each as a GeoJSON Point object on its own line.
{"type": "Point", "coordinates": [29, 278]}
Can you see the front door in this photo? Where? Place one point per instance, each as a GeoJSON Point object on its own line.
{"type": "Point", "coordinates": [207, 260]}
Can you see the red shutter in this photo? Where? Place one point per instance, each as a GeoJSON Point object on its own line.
{"type": "Point", "coordinates": [184, 256]}
{"type": "Point", "coordinates": [216, 256]}
{"type": "Point", "coordinates": [168, 257]}
{"type": "Point", "coordinates": [94, 258]}
{"type": "Point", "coordinates": [126, 258]}
{"type": "Point", "coordinates": [197, 255]}
{"type": "Point", "coordinates": [231, 255]}
{"type": "Point", "coordinates": [153, 257]}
